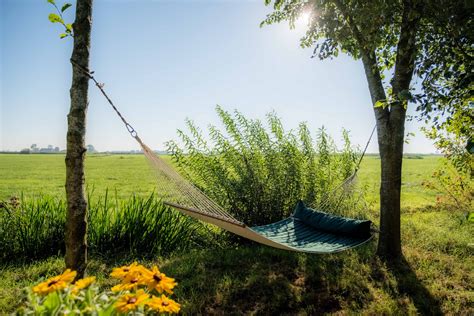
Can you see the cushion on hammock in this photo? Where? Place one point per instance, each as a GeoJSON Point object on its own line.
{"type": "Point", "coordinates": [331, 223]}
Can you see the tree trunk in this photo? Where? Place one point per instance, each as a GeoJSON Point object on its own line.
{"type": "Point", "coordinates": [390, 132]}
{"type": "Point", "coordinates": [390, 120]}
{"type": "Point", "coordinates": [76, 221]}
{"type": "Point", "coordinates": [391, 128]}
{"type": "Point", "coordinates": [390, 139]}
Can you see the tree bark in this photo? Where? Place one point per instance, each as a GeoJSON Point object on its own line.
{"type": "Point", "coordinates": [390, 141]}
{"type": "Point", "coordinates": [391, 129]}
{"type": "Point", "coordinates": [391, 144]}
{"type": "Point", "coordinates": [76, 221]}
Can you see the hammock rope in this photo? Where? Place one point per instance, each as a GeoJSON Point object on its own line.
{"type": "Point", "coordinates": [299, 232]}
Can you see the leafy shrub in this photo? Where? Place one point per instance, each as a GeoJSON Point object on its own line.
{"type": "Point", "coordinates": [453, 185]}
{"type": "Point", "coordinates": [34, 228]}
{"type": "Point", "coordinates": [141, 291]}
{"type": "Point", "coordinates": [259, 173]}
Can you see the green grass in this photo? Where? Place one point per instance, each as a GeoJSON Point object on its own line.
{"type": "Point", "coordinates": [134, 227]}
{"type": "Point", "coordinates": [435, 277]}
{"type": "Point", "coordinates": [130, 174]}
{"type": "Point", "coordinates": [45, 174]}
{"type": "Point", "coordinates": [414, 172]}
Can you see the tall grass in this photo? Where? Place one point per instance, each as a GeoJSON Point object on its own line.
{"type": "Point", "coordinates": [259, 172]}
{"type": "Point", "coordinates": [34, 228]}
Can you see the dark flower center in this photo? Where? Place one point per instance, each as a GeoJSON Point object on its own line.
{"type": "Point", "coordinates": [53, 282]}
{"type": "Point", "coordinates": [134, 280]}
{"type": "Point", "coordinates": [165, 303]}
{"type": "Point", "coordinates": [132, 300]}
{"type": "Point", "coordinates": [156, 277]}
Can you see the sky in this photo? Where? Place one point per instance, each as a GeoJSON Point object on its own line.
{"type": "Point", "coordinates": [165, 61]}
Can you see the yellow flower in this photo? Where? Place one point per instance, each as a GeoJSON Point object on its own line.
{"type": "Point", "coordinates": [122, 272]}
{"type": "Point", "coordinates": [130, 281]}
{"type": "Point", "coordinates": [56, 283]}
{"type": "Point", "coordinates": [128, 302]}
{"type": "Point", "coordinates": [82, 284]}
{"type": "Point", "coordinates": [163, 304]}
{"type": "Point", "coordinates": [154, 279]}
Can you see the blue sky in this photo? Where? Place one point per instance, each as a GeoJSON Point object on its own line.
{"type": "Point", "coordinates": [164, 61]}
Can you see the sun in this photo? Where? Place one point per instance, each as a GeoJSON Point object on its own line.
{"type": "Point", "coordinates": [303, 19]}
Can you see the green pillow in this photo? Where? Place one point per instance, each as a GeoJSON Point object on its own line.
{"type": "Point", "coordinates": [330, 223]}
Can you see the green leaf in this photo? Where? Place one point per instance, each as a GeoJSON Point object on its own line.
{"type": "Point", "coordinates": [470, 217]}
{"type": "Point", "coordinates": [380, 104]}
{"type": "Point", "coordinates": [63, 35]}
{"type": "Point", "coordinates": [54, 18]}
{"type": "Point", "coordinates": [69, 27]}
{"type": "Point", "coordinates": [51, 1]}
{"type": "Point", "coordinates": [65, 6]}
{"type": "Point", "coordinates": [52, 302]}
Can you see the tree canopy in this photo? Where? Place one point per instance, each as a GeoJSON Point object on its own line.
{"type": "Point", "coordinates": [444, 46]}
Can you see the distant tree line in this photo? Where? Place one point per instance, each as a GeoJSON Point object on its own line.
{"type": "Point", "coordinates": [34, 149]}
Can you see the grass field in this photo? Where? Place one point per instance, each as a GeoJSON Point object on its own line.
{"type": "Point", "coordinates": [436, 275]}
{"type": "Point", "coordinates": [130, 174]}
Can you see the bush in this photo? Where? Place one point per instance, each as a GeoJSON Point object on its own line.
{"type": "Point", "coordinates": [454, 187]}
{"type": "Point", "coordinates": [258, 174]}
{"type": "Point", "coordinates": [34, 228]}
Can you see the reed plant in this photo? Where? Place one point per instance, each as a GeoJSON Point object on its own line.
{"type": "Point", "coordinates": [33, 228]}
{"type": "Point", "coordinates": [259, 171]}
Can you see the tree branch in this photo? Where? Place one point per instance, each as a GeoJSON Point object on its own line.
{"type": "Point", "coordinates": [369, 60]}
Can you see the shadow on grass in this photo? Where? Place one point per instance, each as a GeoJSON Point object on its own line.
{"type": "Point", "coordinates": [408, 284]}
{"type": "Point", "coordinates": [265, 281]}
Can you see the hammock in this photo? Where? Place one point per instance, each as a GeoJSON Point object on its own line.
{"type": "Point", "coordinates": [306, 230]}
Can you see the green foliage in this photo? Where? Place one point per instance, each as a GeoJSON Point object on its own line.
{"type": "Point", "coordinates": [34, 228]}
{"type": "Point", "coordinates": [451, 138]}
{"type": "Point", "coordinates": [140, 226]}
{"type": "Point", "coordinates": [65, 7]}
{"type": "Point", "coordinates": [58, 18]}
{"type": "Point", "coordinates": [443, 59]}
{"type": "Point", "coordinates": [31, 228]}
{"type": "Point", "coordinates": [89, 301]}
{"type": "Point", "coordinates": [54, 18]}
{"type": "Point", "coordinates": [258, 173]}
{"type": "Point", "coordinates": [454, 187]}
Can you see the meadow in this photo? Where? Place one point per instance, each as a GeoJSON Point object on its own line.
{"type": "Point", "coordinates": [435, 277]}
{"type": "Point", "coordinates": [127, 175]}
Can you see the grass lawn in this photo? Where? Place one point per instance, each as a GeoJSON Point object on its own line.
{"type": "Point", "coordinates": [436, 276]}
{"type": "Point", "coordinates": [45, 174]}
{"type": "Point", "coordinates": [130, 174]}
